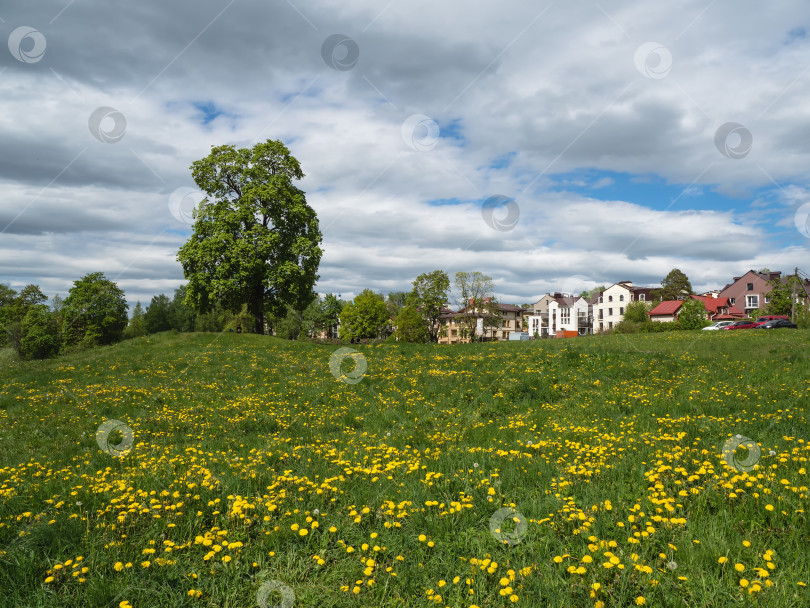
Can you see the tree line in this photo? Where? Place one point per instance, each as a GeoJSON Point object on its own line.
{"type": "Point", "coordinates": [93, 313]}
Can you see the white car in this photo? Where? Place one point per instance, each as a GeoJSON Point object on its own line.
{"type": "Point", "coordinates": [719, 325]}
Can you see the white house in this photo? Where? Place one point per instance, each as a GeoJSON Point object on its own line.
{"type": "Point", "coordinates": [609, 308]}
{"type": "Point", "coordinates": [568, 313]}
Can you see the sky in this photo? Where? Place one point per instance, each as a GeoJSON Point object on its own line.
{"type": "Point", "coordinates": [554, 146]}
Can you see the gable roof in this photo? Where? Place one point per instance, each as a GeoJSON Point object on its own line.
{"type": "Point", "coordinates": [667, 307]}
{"type": "Point", "coordinates": [765, 276]}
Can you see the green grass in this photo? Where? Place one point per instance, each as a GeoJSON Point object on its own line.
{"type": "Point", "coordinates": [601, 444]}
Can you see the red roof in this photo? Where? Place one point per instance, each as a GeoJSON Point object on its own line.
{"type": "Point", "coordinates": [668, 307]}
{"type": "Point", "coordinates": [712, 304]}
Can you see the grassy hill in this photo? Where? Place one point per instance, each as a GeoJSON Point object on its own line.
{"type": "Point", "coordinates": [581, 472]}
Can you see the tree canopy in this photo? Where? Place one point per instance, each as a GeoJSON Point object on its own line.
{"type": "Point", "coordinates": [675, 286]}
{"type": "Point", "coordinates": [255, 239]}
{"type": "Point", "coordinates": [365, 317]}
{"type": "Point", "coordinates": [39, 335]}
{"type": "Point", "coordinates": [475, 293]}
{"type": "Point", "coordinates": [410, 325]}
{"type": "Point", "coordinates": [429, 296]}
{"type": "Point", "coordinates": [637, 312]}
{"type": "Point", "coordinates": [94, 311]}
{"type": "Point", "coordinates": [13, 308]}
{"type": "Point", "coordinates": [782, 293]}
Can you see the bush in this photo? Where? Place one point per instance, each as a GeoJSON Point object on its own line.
{"type": "Point", "coordinates": [39, 335]}
{"type": "Point", "coordinates": [692, 315]}
{"type": "Point", "coordinates": [627, 327]}
{"type": "Point", "coordinates": [656, 327]}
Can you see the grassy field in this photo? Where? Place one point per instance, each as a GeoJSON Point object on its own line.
{"type": "Point", "coordinates": [581, 472]}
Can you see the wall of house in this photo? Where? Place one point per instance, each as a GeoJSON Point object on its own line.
{"type": "Point", "coordinates": [610, 310]}
{"type": "Point", "coordinates": [746, 299]}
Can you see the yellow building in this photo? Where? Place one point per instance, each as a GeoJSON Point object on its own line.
{"type": "Point", "coordinates": [452, 326]}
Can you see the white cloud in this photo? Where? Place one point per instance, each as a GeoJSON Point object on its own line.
{"type": "Point", "coordinates": [553, 86]}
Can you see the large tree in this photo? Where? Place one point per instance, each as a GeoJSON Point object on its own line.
{"type": "Point", "coordinates": [675, 286]}
{"type": "Point", "coordinates": [429, 296]}
{"type": "Point", "coordinates": [255, 239]}
{"type": "Point", "coordinates": [94, 312]}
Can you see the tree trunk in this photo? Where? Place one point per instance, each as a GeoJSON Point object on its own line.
{"type": "Point", "coordinates": [256, 309]}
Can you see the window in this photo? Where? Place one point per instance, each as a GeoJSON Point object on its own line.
{"type": "Point", "coordinates": [610, 312]}
{"type": "Point", "coordinates": [752, 301]}
{"type": "Point", "coordinates": [621, 310]}
{"type": "Point", "coordinates": [610, 325]}
{"type": "Point", "coordinates": [565, 315]}
{"type": "Point", "coordinates": [621, 298]}
{"type": "Point", "coordinates": [641, 297]}
{"type": "Point", "coordinates": [732, 301]}
{"type": "Point", "coordinates": [750, 287]}
{"type": "Point", "coordinates": [610, 298]}
{"type": "Point", "coordinates": [767, 300]}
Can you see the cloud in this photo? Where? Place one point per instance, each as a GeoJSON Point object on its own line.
{"type": "Point", "coordinates": [525, 96]}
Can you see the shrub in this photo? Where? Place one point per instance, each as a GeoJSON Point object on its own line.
{"type": "Point", "coordinates": [692, 315]}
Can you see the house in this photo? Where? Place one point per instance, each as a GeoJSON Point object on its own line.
{"type": "Point", "coordinates": [666, 311]}
{"type": "Point", "coordinates": [750, 291]}
{"type": "Point", "coordinates": [452, 328]}
{"type": "Point", "coordinates": [609, 308]}
{"type": "Point", "coordinates": [717, 309]}
{"type": "Point", "coordinates": [568, 313]}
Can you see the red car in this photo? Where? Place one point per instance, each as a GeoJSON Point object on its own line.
{"type": "Point", "coordinates": [742, 325]}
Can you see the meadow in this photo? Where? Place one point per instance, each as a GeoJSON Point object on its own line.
{"type": "Point", "coordinates": [239, 471]}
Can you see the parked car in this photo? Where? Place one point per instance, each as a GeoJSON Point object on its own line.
{"type": "Point", "coordinates": [719, 325]}
{"type": "Point", "coordinates": [765, 318]}
{"type": "Point", "coordinates": [777, 324]}
{"type": "Point", "coordinates": [742, 325]}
